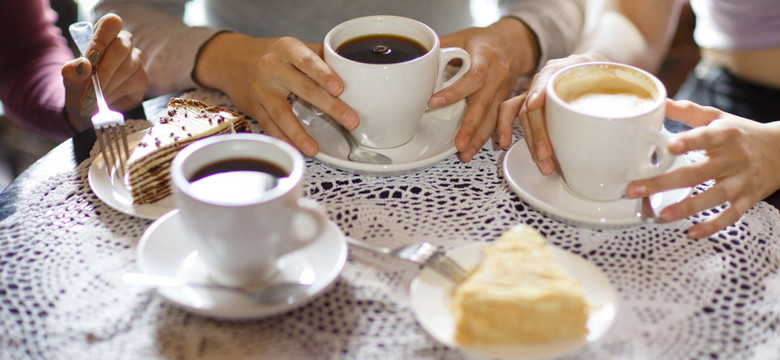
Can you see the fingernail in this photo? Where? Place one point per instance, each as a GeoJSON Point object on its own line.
{"type": "Point", "coordinates": [436, 101]}
{"type": "Point", "coordinates": [309, 148]}
{"type": "Point", "coordinates": [350, 120]}
{"type": "Point", "coordinates": [81, 69]}
{"type": "Point", "coordinates": [669, 214]}
{"type": "Point", "coordinates": [472, 153]}
{"type": "Point", "coordinates": [695, 233]}
{"type": "Point", "coordinates": [94, 57]}
{"type": "Point", "coordinates": [503, 140]}
{"type": "Point", "coordinates": [636, 191]}
{"type": "Point", "coordinates": [546, 166]}
{"type": "Point", "coordinates": [542, 149]}
{"type": "Point", "coordinates": [334, 87]}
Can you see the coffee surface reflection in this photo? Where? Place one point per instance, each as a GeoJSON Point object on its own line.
{"type": "Point", "coordinates": [236, 181]}
{"type": "Point", "coordinates": [381, 49]}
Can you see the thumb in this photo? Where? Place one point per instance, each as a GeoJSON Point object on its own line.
{"type": "Point", "coordinates": [75, 74]}
{"type": "Point", "coordinates": [79, 96]}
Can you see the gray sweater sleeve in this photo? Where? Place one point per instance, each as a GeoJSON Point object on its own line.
{"type": "Point", "coordinates": [169, 46]}
{"type": "Point", "coordinates": [557, 24]}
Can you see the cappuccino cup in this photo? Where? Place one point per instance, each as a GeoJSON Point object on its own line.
{"type": "Point", "coordinates": [604, 121]}
{"type": "Point", "coordinates": [241, 202]}
{"type": "Point", "coordinates": [390, 67]}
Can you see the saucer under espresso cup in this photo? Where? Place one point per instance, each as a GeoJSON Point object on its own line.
{"type": "Point", "coordinates": [241, 201]}
{"type": "Point", "coordinates": [165, 250]}
{"type": "Point", "coordinates": [389, 94]}
{"type": "Point", "coordinates": [604, 121]}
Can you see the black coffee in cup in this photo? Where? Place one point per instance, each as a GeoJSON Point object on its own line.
{"type": "Point", "coordinates": [236, 180]}
{"type": "Point", "coordinates": [381, 49]}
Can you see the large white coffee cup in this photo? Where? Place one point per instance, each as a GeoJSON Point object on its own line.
{"type": "Point", "coordinates": [604, 121]}
{"type": "Point", "coordinates": [242, 222]}
{"type": "Point", "coordinates": [390, 99]}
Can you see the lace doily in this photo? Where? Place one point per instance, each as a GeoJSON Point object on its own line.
{"type": "Point", "coordinates": [62, 253]}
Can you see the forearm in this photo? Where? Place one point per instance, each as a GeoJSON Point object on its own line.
{"type": "Point", "coordinates": [169, 46]}
{"type": "Point", "coordinates": [631, 32]}
{"type": "Point", "coordinates": [31, 86]}
{"type": "Point", "coordinates": [556, 24]}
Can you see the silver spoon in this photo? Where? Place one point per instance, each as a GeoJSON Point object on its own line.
{"type": "Point", "coordinates": [279, 293]}
{"type": "Point", "coordinates": [357, 153]}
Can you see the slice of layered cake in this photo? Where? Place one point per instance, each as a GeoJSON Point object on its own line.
{"type": "Point", "coordinates": [185, 121]}
{"type": "Point", "coordinates": [518, 294]}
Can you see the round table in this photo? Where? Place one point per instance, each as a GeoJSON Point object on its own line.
{"type": "Point", "coordinates": [63, 251]}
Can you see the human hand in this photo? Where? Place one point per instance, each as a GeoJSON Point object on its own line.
{"type": "Point", "coordinates": [743, 157]}
{"type": "Point", "coordinates": [120, 69]}
{"type": "Point", "coordinates": [259, 73]}
{"type": "Point", "coordinates": [529, 109]}
{"type": "Point", "coordinates": [500, 54]}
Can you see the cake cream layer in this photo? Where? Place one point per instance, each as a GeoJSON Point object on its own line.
{"type": "Point", "coordinates": [185, 121]}
{"type": "Point", "coordinates": [518, 294]}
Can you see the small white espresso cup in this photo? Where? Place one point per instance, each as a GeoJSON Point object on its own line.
{"type": "Point", "coordinates": [240, 200]}
{"type": "Point", "coordinates": [604, 121]}
{"type": "Point", "coordinates": [390, 99]}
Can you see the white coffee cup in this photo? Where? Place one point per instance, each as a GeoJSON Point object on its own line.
{"type": "Point", "coordinates": [604, 121]}
{"type": "Point", "coordinates": [242, 225]}
{"type": "Point", "coordinates": [390, 99]}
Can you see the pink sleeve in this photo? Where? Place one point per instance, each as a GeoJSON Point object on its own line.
{"type": "Point", "coordinates": [33, 52]}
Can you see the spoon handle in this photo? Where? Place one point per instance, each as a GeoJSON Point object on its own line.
{"type": "Point", "coordinates": [285, 292]}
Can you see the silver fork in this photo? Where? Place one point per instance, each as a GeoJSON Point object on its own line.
{"type": "Point", "coordinates": [423, 253]}
{"type": "Point", "coordinates": [109, 125]}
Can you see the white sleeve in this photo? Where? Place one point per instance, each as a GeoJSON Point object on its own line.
{"type": "Point", "coordinates": [557, 24]}
{"type": "Point", "coordinates": [169, 46]}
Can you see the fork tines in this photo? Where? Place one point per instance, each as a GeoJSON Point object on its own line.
{"type": "Point", "coordinates": [112, 140]}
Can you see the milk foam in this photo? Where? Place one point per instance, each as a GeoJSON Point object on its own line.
{"type": "Point", "coordinates": [612, 105]}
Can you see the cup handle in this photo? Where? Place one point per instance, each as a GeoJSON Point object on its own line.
{"type": "Point", "coordinates": [664, 159]}
{"type": "Point", "coordinates": [447, 55]}
{"type": "Point", "coordinates": [312, 210]}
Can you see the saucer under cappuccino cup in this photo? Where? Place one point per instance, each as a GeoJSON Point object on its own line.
{"type": "Point", "coordinates": [604, 121]}
{"type": "Point", "coordinates": [389, 94]}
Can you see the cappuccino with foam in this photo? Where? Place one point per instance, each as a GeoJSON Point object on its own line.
{"type": "Point", "coordinates": [604, 122]}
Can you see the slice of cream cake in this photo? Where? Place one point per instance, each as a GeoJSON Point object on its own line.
{"type": "Point", "coordinates": [186, 121]}
{"type": "Point", "coordinates": [518, 294]}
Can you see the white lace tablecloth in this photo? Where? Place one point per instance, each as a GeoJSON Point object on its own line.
{"type": "Point", "coordinates": [63, 250]}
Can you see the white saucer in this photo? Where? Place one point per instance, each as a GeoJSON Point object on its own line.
{"type": "Point", "coordinates": [164, 251]}
{"type": "Point", "coordinates": [117, 194]}
{"type": "Point", "coordinates": [548, 195]}
{"type": "Point", "coordinates": [430, 301]}
{"type": "Point", "coordinates": [432, 143]}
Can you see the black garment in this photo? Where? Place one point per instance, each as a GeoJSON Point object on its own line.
{"type": "Point", "coordinates": [715, 86]}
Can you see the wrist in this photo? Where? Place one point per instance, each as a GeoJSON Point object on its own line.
{"type": "Point", "coordinates": [76, 123]}
{"type": "Point", "coordinates": [526, 50]}
{"type": "Point", "coordinates": [211, 59]}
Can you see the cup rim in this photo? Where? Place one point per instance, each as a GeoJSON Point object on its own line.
{"type": "Point", "coordinates": [328, 48]}
{"type": "Point", "coordinates": [182, 183]}
{"type": "Point", "coordinates": [549, 87]}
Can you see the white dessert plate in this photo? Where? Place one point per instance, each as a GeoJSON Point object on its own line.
{"type": "Point", "coordinates": [165, 251]}
{"type": "Point", "coordinates": [548, 195]}
{"type": "Point", "coordinates": [116, 193]}
{"type": "Point", "coordinates": [430, 295]}
{"type": "Point", "coordinates": [432, 143]}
